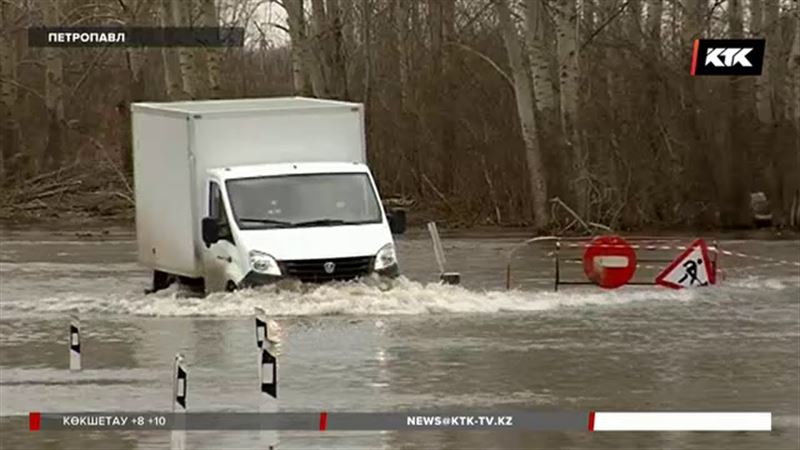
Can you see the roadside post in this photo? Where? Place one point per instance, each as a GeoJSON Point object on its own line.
{"type": "Point", "coordinates": [179, 397]}
{"type": "Point", "coordinates": [74, 343]}
{"type": "Point", "coordinates": [438, 251]}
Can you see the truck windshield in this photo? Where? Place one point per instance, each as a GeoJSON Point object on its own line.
{"type": "Point", "coordinates": [303, 200]}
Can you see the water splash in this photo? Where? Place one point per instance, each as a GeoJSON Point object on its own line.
{"type": "Point", "coordinates": [405, 297]}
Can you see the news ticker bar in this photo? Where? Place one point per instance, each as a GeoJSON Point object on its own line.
{"type": "Point", "coordinates": [521, 421]}
{"type": "Point", "coordinates": [136, 37]}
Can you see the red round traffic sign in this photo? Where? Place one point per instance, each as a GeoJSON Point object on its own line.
{"type": "Point", "coordinates": [609, 261]}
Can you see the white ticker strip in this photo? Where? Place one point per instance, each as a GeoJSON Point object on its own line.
{"type": "Point", "coordinates": [682, 421]}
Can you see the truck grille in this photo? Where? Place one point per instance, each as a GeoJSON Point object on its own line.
{"type": "Point", "coordinates": [313, 270]}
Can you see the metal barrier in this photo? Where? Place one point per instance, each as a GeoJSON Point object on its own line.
{"type": "Point", "coordinates": [639, 243]}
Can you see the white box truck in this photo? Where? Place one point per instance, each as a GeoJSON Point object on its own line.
{"type": "Point", "coordinates": [236, 193]}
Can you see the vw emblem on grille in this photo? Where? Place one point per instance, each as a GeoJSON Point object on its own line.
{"type": "Point", "coordinates": [329, 267]}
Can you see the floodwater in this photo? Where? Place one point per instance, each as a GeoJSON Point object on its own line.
{"type": "Point", "coordinates": [417, 346]}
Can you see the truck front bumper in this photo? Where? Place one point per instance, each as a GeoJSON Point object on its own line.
{"type": "Point", "coordinates": [254, 279]}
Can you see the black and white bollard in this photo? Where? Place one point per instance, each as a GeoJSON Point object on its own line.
{"type": "Point", "coordinates": [261, 327]}
{"type": "Point", "coordinates": [438, 251]}
{"type": "Point", "coordinates": [179, 385]}
{"type": "Point", "coordinates": [74, 343]}
{"type": "Point", "coordinates": [268, 373]}
{"type": "Point", "coordinates": [179, 391]}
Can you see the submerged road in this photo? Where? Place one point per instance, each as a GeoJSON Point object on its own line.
{"type": "Point", "coordinates": [417, 346]}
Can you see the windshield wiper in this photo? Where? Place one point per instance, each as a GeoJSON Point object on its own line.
{"type": "Point", "coordinates": [282, 223]}
{"type": "Point", "coordinates": [323, 222]}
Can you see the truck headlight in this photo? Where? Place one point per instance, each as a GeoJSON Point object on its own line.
{"type": "Point", "coordinates": [386, 257]}
{"type": "Point", "coordinates": [263, 263]}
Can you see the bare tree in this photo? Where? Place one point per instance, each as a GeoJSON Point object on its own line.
{"type": "Point", "coordinates": [793, 64]}
{"type": "Point", "coordinates": [763, 86]}
{"type": "Point", "coordinates": [319, 26]}
{"type": "Point", "coordinates": [527, 118]}
{"type": "Point", "coordinates": [302, 59]}
{"type": "Point", "coordinates": [540, 59]}
{"type": "Point", "coordinates": [172, 79]}
{"type": "Point", "coordinates": [181, 11]}
{"type": "Point", "coordinates": [401, 26]}
{"type": "Point", "coordinates": [334, 49]}
{"type": "Point", "coordinates": [566, 22]}
{"type": "Point", "coordinates": [54, 90]}
{"type": "Point", "coordinates": [213, 55]}
{"type": "Point", "coordinates": [601, 85]}
{"type": "Point", "coordinates": [794, 69]}
{"type": "Point", "coordinates": [9, 126]}
{"type": "Point", "coordinates": [442, 30]}
{"type": "Point", "coordinates": [735, 181]}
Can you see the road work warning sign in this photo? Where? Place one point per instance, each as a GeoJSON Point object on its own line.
{"type": "Point", "coordinates": [691, 269]}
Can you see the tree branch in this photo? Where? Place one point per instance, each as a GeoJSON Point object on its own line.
{"type": "Point", "coordinates": [605, 24]}
{"type": "Point", "coordinates": [23, 87]}
{"type": "Point", "coordinates": [480, 55]}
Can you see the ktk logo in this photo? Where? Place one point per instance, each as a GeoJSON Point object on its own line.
{"type": "Point", "coordinates": [728, 56]}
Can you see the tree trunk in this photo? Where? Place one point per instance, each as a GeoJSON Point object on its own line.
{"type": "Point", "coordinates": [527, 118]}
{"type": "Point", "coordinates": [135, 93]}
{"type": "Point", "coordinates": [634, 21]}
{"type": "Point", "coordinates": [659, 201]}
{"type": "Point", "coordinates": [136, 60]}
{"type": "Point", "coordinates": [336, 51]}
{"type": "Point", "coordinates": [763, 85]}
{"type": "Point", "coordinates": [54, 91]}
{"type": "Point", "coordinates": [448, 137]}
{"type": "Point", "coordinates": [566, 21]}
{"type": "Point", "coordinates": [441, 15]}
{"type": "Point", "coordinates": [541, 60]}
{"type": "Point", "coordinates": [366, 35]}
{"type": "Point", "coordinates": [735, 210]}
{"type": "Point", "coordinates": [793, 185]}
{"type": "Point", "coordinates": [764, 26]}
{"type": "Point", "coordinates": [401, 24]}
{"type": "Point", "coordinates": [213, 54]}
{"type": "Point", "coordinates": [407, 122]}
{"type": "Point", "coordinates": [655, 9]}
{"type": "Point", "coordinates": [172, 81]}
{"type": "Point", "coordinates": [9, 126]}
{"type": "Point", "coordinates": [366, 97]}
{"type": "Point", "coordinates": [794, 69]}
{"type": "Point", "coordinates": [186, 56]}
{"type": "Point", "coordinates": [349, 20]}
{"type": "Point", "coordinates": [321, 63]}
{"type": "Point", "coordinates": [295, 17]}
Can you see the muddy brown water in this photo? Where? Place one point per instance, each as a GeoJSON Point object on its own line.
{"type": "Point", "coordinates": [417, 346]}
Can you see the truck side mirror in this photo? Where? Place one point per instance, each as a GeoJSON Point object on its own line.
{"type": "Point", "coordinates": [210, 230]}
{"type": "Point", "coordinates": [397, 221]}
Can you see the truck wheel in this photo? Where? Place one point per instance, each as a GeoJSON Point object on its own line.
{"type": "Point", "coordinates": [161, 280]}
{"type": "Point", "coordinates": [231, 286]}
{"type": "Point", "coordinates": [194, 287]}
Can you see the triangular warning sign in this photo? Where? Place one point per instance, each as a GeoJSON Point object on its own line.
{"type": "Point", "coordinates": [692, 268]}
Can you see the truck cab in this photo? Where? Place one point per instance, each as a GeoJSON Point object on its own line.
{"type": "Point", "coordinates": [314, 222]}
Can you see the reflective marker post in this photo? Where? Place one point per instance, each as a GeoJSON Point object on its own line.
{"type": "Point", "coordinates": [261, 327]}
{"type": "Point", "coordinates": [179, 385]}
{"type": "Point", "coordinates": [74, 343]}
{"type": "Point", "coordinates": [267, 363]}
{"type": "Point", "coordinates": [268, 373]}
{"type": "Point", "coordinates": [179, 391]}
